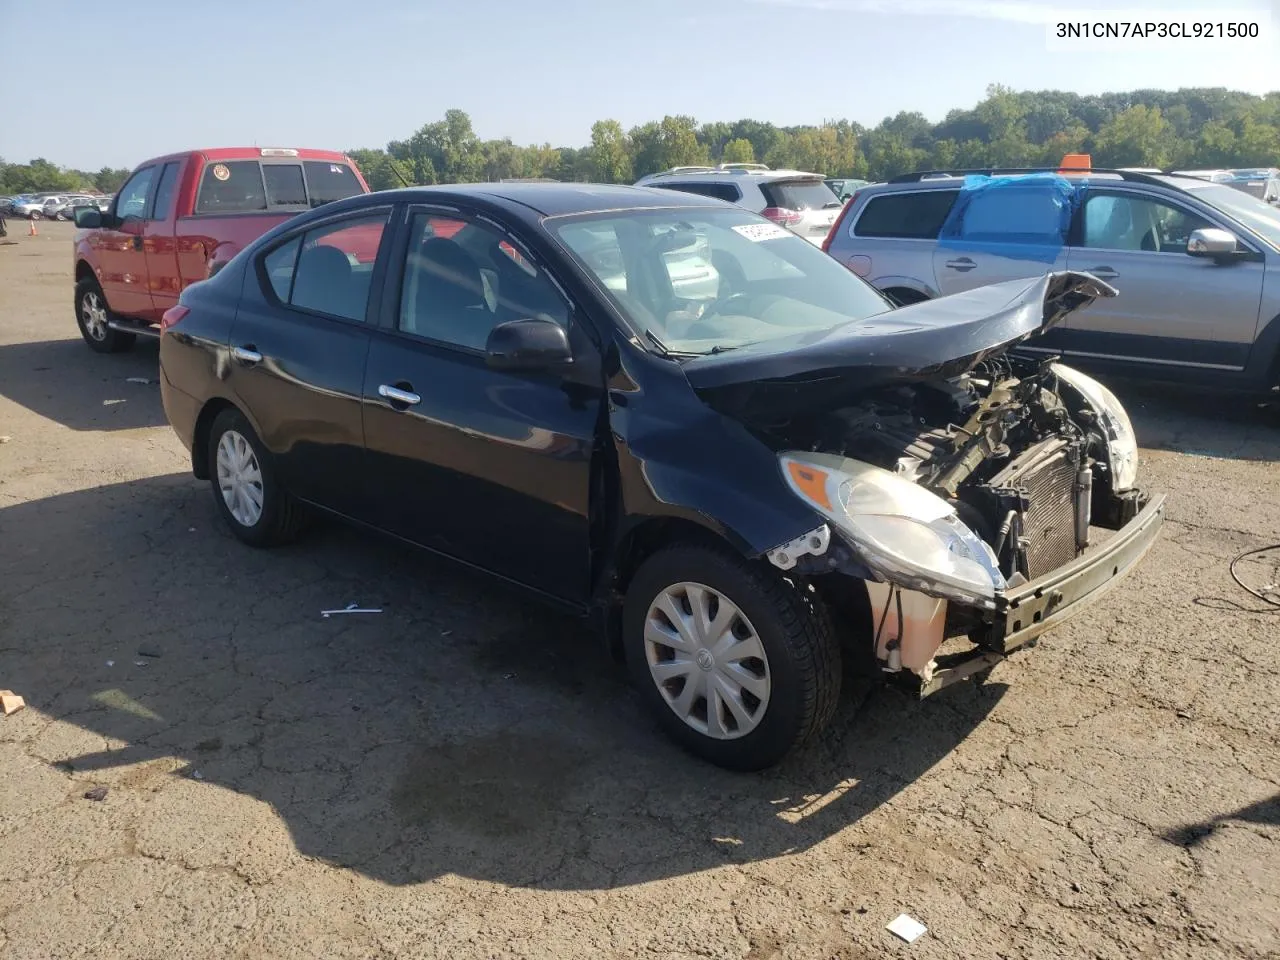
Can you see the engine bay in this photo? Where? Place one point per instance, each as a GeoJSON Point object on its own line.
{"type": "Point", "coordinates": [1008, 445]}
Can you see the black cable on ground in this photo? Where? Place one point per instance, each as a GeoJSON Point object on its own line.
{"type": "Point", "coordinates": [1264, 597]}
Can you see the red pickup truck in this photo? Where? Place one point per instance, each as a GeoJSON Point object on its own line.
{"type": "Point", "coordinates": [179, 218]}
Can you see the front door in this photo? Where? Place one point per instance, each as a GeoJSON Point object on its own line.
{"type": "Point", "coordinates": [488, 466]}
{"type": "Point", "coordinates": [298, 348]}
{"type": "Point", "coordinates": [1173, 310]}
{"type": "Point", "coordinates": [159, 243]}
{"type": "Point", "coordinates": [121, 257]}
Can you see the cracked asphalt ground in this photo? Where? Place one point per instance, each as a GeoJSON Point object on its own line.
{"type": "Point", "coordinates": [466, 775]}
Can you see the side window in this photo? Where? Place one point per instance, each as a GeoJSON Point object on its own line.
{"type": "Point", "coordinates": [284, 185]}
{"type": "Point", "coordinates": [328, 270]}
{"type": "Point", "coordinates": [906, 216]}
{"type": "Point", "coordinates": [232, 186]}
{"type": "Point", "coordinates": [330, 181]}
{"type": "Point", "coordinates": [462, 279]}
{"type": "Point", "coordinates": [132, 199]}
{"type": "Point", "coordinates": [1128, 222]}
{"type": "Point", "coordinates": [162, 206]}
{"type": "Point", "coordinates": [720, 191]}
{"type": "Point", "coordinates": [1015, 215]}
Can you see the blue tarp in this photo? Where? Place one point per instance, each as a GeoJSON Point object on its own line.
{"type": "Point", "coordinates": [1022, 217]}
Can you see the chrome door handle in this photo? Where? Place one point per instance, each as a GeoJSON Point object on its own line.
{"type": "Point", "coordinates": [396, 395]}
{"type": "Point", "coordinates": [963, 264]}
{"type": "Point", "coordinates": [246, 354]}
{"type": "Point", "coordinates": [1103, 273]}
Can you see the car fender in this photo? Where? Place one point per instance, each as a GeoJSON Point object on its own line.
{"type": "Point", "coordinates": [909, 283]}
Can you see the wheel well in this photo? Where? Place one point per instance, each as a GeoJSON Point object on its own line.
{"type": "Point", "coordinates": [84, 271]}
{"type": "Point", "coordinates": [200, 438]}
{"type": "Point", "coordinates": [903, 296]}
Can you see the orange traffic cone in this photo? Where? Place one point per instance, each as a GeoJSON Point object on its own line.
{"type": "Point", "coordinates": [32, 231]}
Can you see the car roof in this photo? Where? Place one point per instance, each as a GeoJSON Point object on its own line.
{"type": "Point", "coordinates": [731, 176]}
{"type": "Point", "coordinates": [249, 153]}
{"type": "Point", "coordinates": [554, 199]}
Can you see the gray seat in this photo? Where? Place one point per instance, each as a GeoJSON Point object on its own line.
{"type": "Point", "coordinates": [323, 281]}
{"type": "Point", "coordinates": [449, 303]}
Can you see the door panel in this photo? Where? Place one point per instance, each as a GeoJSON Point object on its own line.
{"type": "Point", "coordinates": [492, 467]}
{"type": "Point", "coordinates": [298, 348]}
{"type": "Point", "coordinates": [121, 257]}
{"type": "Point", "coordinates": [1172, 308]}
{"type": "Point", "coordinates": [159, 244]}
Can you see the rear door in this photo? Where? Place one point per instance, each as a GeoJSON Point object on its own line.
{"type": "Point", "coordinates": [492, 467]}
{"type": "Point", "coordinates": [1174, 310]}
{"type": "Point", "coordinates": [298, 348]}
{"type": "Point", "coordinates": [119, 248]}
{"type": "Point", "coordinates": [805, 205]}
{"type": "Point", "coordinates": [159, 243]}
{"type": "Point", "coordinates": [891, 236]}
{"type": "Point", "coordinates": [1002, 232]}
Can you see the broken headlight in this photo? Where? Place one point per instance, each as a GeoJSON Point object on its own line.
{"type": "Point", "coordinates": [903, 532]}
{"type": "Point", "coordinates": [1122, 444]}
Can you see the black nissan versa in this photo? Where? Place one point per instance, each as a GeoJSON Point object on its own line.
{"type": "Point", "coordinates": [748, 480]}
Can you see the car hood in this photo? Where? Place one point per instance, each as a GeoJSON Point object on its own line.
{"type": "Point", "coordinates": [934, 340]}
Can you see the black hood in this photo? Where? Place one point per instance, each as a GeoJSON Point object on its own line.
{"type": "Point", "coordinates": [933, 340]}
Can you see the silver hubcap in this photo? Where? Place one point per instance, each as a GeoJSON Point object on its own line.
{"type": "Point", "coordinates": [94, 313]}
{"type": "Point", "coordinates": [240, 478]}
{"type": "Point", "coordinates": [707, 661]}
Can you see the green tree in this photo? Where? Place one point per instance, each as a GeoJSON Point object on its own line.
{"type": "Point", "coordinates": [381, 171]}
{"type": "Point", "coordinates": [739, 151]}
{"type": "Point", "coordinates": [673, 142]}
{"type": "Point", "coordinates": [110, 179]}
{"type": "Point", "coordinates": [610, 153]}
{"type": "Point", "coordinates": [1137, 137]}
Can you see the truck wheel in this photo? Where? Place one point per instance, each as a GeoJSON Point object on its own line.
{"type": "Point", "coordinates": [92, 314]}
{"type": "Point", "coordinates": [739, 665]}
{"type": "Point", "coordinates": [246, 490]}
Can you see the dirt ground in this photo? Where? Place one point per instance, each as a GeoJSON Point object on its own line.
{"type": "Point", "coordinates": [466, 775]}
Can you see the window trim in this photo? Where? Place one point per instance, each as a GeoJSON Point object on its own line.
{"type": "Point", "coordinates": [373, 305]}
{"type": "Point", "coordinates": [854, 235]}
{"type": "Point", "coordinates": [151, 187]}
{"type": "Point", "coordinates": [1075, 240]}
{"type": "Point", "coordinates": [155, 190]}
{"type": "Point", "coordinates": [389, 322]}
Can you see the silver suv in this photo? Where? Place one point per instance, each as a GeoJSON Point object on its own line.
{"type": "Point", "coordinates": [801, 202]}
{"type": "Point", "coordinates": [1196, 263]}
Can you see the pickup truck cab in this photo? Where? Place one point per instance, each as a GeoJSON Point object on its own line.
{"type": "Point", "coordinates": [178, 219]}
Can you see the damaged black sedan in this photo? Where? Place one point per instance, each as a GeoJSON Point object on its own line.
{"type": "Point", "coordinates": [674, 417]}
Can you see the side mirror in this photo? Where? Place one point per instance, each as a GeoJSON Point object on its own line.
{"type": "Point", "coordinates": [1211, 242]}
{"type": "Point", "coordinates": [88, 218]}
{"type": "Point", "coordinates": [528, 345]}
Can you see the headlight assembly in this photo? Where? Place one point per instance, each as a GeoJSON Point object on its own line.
{"type": "Point", "coordinates": [1122, 444]}
{"type": "Point", "coordinates": [905, 533]}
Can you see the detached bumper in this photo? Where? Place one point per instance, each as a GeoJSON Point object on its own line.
{"type": "Point", "coordinates": [1027, 611]}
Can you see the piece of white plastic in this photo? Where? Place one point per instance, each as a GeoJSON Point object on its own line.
{"type": "Point", "coordinates": [350, 608]}
{"type": "Point", "coordinates": [907, 928]}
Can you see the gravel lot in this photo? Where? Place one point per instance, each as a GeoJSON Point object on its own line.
{"type": "Point", "coordinates": [466, 775]}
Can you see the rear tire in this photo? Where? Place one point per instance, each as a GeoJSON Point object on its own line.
{"type": "Point", "coordinates": [245, 485]}
{"type": "Point", "coordinates": [92, 317]}
{"type": "Point", "coordinates": [743, 712]}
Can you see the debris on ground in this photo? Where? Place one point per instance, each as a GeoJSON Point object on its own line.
{"type": "Point", "coordinates": [5, 439]}
{"type": "Point", "coordinates": [138, 380]}
{"type": "Point", "coordinates": [150, 650]}
{"type": "Point", "coordinates": [210, 745]}
{"type": "Point", "coordinates": [97, 793]}
{"type": "Point", "coordinates": [907, 928]}
{"type": "Point", "coordinates": [350, 608]}
{"type": "Point", "coordinates": [108, 403]}
{"type": "Point", "coordinates": [10, 702]}
{"type": "Point", "coordinates": [197, 775]}
{"type": "Point", "coordinates": [111, 663]}
{"type": "Point", "coordinates": [140, 663]}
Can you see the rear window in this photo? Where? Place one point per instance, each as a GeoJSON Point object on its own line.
{"type": "Point", "coordinates": [800, 195]}
{"type": "Point", "coordinates": [248, 186]}
{"type": "Point", "coordinates": [913, 216]}
{"type": "Point", "coordinates": [330, 181]}
{"type": "Point", "coordinates": [720, 191]}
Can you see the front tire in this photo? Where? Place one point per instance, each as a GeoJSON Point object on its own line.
{"type": "Point", "coordinates": [245, 486]}
{"type": "Point", "coordinates": [92, 317]}
{"type": "Point", "coordinates": [739, 665]}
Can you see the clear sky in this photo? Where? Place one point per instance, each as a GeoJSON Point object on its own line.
{"type": "Point", "coordinates": [88, 84]}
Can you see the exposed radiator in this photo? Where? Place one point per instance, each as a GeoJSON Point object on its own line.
{"type": "Point", "coordinates": [1049, 476]}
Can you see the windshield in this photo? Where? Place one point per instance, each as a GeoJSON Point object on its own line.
{"type": "Point", "coordinates": [701, 280]}
{"type": "Point", "coordinates": [800, 194]}
{"type": "Point", "coordinates": [1258, 215]}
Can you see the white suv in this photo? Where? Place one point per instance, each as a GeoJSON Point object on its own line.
{"type": "Point", "coordinates": [801, 202]}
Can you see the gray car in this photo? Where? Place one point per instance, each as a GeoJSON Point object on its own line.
{"type": "Point", "coordinates": [1260, 182]}
{"type": "Point", "coordinates": [1197, 263]}
{"type": "Point", "coordinates": [801, 202]}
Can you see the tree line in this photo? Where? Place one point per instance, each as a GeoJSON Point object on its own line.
{"type": "Point", "coordinates": [1190, 128]}
{"type": "Point", "coordinates": [42, 175]}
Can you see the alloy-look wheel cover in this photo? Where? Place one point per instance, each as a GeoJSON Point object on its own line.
{"type": "Point", "coordinates": [240, 478]}
{"type": "Point", "coordinates": [707, 661]}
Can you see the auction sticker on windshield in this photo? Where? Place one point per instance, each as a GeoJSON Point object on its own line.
{"type": "Point", "coordinates": [755, 232]}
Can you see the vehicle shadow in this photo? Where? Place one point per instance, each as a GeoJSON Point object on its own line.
{"type": "Point", "coordinates": [65, 381]}
{"type": "Point", "coordinates": [1266, 812]}
{"type": "Point", "coordinates": [1185, 420]}
{"type": "Point", "coordinates": [462, 730]}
